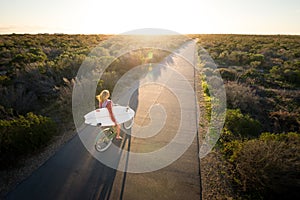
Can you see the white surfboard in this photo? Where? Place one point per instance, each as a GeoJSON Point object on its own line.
{"type": "Point", "coordinates": [101, 116]}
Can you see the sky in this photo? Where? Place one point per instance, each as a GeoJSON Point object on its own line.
{"type": "Point", "coordinates": [119, 16]}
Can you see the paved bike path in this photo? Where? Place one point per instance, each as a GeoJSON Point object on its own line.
{"type": "Point", "coordinates": [180, 179]}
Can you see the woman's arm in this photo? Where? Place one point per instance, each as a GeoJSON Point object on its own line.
{"type": "Point", "coordinates": [109, 107]}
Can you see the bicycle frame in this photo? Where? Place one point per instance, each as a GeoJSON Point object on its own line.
{"type": "Point", "coordinates": [106, 135]}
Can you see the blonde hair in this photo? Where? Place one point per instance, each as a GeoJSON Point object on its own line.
{"type": "Point", "coordinates": [104, 95]}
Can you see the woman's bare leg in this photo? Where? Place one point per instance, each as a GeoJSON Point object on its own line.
{"type": "Point", "coordinates": [118, 132]}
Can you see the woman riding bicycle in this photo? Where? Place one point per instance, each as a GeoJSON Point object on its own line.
{"type": "Point", "coordinates": [104, 102]}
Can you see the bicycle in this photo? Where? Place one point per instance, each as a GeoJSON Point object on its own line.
{"type": "Point", "coordinates": [108, 132]}
{"type": "Point", "coordinates": [104, 139]}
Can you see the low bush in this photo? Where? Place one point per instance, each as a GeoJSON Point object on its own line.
{"type": "Point", "coordinates": [284, 121]}
{"type": "Point", "coordinates": [267, 167]}
{"type": "Point", "coordinates": [241, 124]}
{"type": "Point", "coordinates": [23, 135]}
{"type": "Point", "coordinates": [243, 97]}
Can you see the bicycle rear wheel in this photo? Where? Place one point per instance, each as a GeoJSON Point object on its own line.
{"type": "Point", "coordinates": [104, 140]}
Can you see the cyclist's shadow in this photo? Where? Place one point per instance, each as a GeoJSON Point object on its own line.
{"type": "Point", "coordinates": [133, 104]}
{"type": "Point", "coordinates": [124, 146]}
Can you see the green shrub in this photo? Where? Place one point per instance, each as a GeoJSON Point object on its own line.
{"type": "Point", "coordinates": [207, 99]}
{"type": "Point", "coordinates": [205, 88]}
{"type": "Point", "coordinates": [290, 137]}
{"type": "Point", "coordinates": [228, 74]}
{"type": "Point", "coordinates": [267, 167]}
{"type": "Point", "coordinates": [240, 124]}
{"type": "Point", "coordinates": [23, 135]}
{"type": "Point", "coordinates": [231, 149]}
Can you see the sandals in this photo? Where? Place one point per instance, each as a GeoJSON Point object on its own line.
{"type": "Point", "coordinates": [119, 138]}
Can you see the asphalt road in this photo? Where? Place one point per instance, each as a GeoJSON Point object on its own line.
{"type": "Point", "coordinates": [74, 173]}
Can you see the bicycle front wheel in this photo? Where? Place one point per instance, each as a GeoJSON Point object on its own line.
{"type": "Point", "coordinates": [127, 125]}
{"type": "Point", "coordinates": [103, 140]}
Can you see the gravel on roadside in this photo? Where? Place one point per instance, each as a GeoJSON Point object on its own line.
{"type": "Point", "coordinates": [214, 175]}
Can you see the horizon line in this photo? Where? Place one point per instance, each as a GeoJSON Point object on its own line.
{"type": "Point", "coordinates": [45, 33]}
